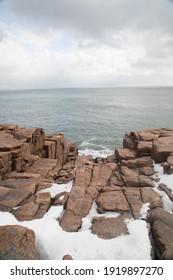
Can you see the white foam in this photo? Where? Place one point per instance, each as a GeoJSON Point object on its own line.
{"type": "Point", "coordinates": [96, 153]}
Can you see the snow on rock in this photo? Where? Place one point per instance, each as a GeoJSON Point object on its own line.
{"type": "Point", "coordinates": [54, 243]}
{"type": "Point", "coordinates": [168, 181]}
{"type": "Point", "coordinates": [58, 188]}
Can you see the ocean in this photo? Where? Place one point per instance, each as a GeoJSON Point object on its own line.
{"type": "Point", "coordinates": [96, 119]}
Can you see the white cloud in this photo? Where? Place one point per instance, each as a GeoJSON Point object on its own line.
{"type": "Point", "coordinates": [87, 43]}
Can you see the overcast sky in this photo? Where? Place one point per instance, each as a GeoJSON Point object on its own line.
{"type": "Point", "coordinates": [85, 43]}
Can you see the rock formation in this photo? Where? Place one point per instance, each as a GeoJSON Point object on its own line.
{"type": "Point", "coordinates": [17, 243]}
{"type": "Point", "coordinates": [119, 184]}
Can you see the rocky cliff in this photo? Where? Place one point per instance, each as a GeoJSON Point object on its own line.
{"type": "Point", "coordinates": [30, 161]}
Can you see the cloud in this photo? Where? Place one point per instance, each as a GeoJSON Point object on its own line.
{"type": "Point", "coordinates": [73, 43]}
{"type": "Point", "coordinates": [99, 15]}
{"type": "Point", "coordinates": [2, 34]}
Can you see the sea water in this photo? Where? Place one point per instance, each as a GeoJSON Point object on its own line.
{"type": "Point", "coordinates": [96, 119]}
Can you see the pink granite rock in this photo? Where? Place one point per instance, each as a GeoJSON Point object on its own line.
{"type": "Point", "coordinates": [17, 243]}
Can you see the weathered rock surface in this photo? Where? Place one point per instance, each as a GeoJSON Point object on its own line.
{"type": "Point", "coordinates": [26, 212]}
{"type": "Point", "coordinates": [125, 154]}
{"type": "Point", "coordinates": [35, 208]}
{"type": "Point", "coordinates": [21, 147]}
{"type": "Point", "coordinates": [133, 196]}
{"type": "Point", "coordinates": [112, 201]}
{"type": "Point", "coordinates": [150, 196]}
{"type": "Point", "coordinates": [162, 229]}
{"type": "Point", "coordinates": [129, 176]}
{"type": "Point", "coordinates": [13, 198]}
{"type": "Point", "coordinates": [108, 228]}
{"type": "Point", "coordinates": [159, 142]}
{"type": "Point", "coordinates": [43, 167]}
{"type": "Point", "coordinates": [71, 222]}
{"type": "Point", "coordinates": [145, 181]}
{"type": "Point", "coordinates": [162, 148]}
{"type": "Point", "coordinates": [17, 243]}
{"type": "Point", "coordinates": [121, 183]}
{"type": "Point", "coordinates": [29, 184]}
{"type": "Point", "coordinates": [144, 148]}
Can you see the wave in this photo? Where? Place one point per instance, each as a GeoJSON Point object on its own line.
{"type": "Point", "coordinates": [89, 144]}
{"type": "Point", "coordinates": [96, 153]}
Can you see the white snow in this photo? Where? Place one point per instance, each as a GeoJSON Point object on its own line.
{"type": "Point", "coordinates": [54, 212]}
{"type": "Point", "coordinates": [168, 181]}
{"type": "Point", "coordinates": [58, 188]}
{"type": "Point", "coordinates": [53, 243]}
{"type": "Point", "coordinates": [144, 210]}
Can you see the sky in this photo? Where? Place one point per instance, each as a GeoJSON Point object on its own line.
{"type": "Point", "coordinates": [85, 43]}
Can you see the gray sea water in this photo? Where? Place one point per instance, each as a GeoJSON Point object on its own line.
{"type": "Point", "coordinates": [95, 119]}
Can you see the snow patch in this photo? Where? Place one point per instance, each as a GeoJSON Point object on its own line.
{"type": "Point", "coordinates": [58, 188]}
{"type": "Point", "coordinates": [168, 181]}
{"type": "Point", "coordinates": [53, 243]}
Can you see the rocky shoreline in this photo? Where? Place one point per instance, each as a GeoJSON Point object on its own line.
{"type": "Point", "coordinates": [31, 161]}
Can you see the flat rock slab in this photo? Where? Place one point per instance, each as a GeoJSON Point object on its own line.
{"type": "Point", "coordinates": [148, 135]}
{"type": "Point", "coordinates": [8, 142]}
{"type": "Point", "coordinates": [17, 243]}
{"type": "Point", "coordinates": [150, 196]}
{"type": "Point", "coordinates": [26, 212]}
{"type": "Point", "coordinates": [112, 201]}
{"type": "Point", "coordinates": [23, 175]}
{"type": "Point", "coordinates": [129, 176]}
{"type": "Point", "coordinates": [34, 209]}
{"type": "Point", "coordinates": [138, 162]}
{"type": "Point", "coordinates": [21, 184]}
{"type": "Point", "coordinates": [14, 197]}
{"type": "Point", "coordinates": [43, 167]}
{"type": "Point", "coordinates": [43, 198]}
{"type": "Point", "coordinates": [76, 199]}
{"type": "Point", "coordinates": [105, 173]}
{"type": "Point", "coordinates": [162, 229]}
{"type": "Point", "coordinates": [83, 176]}
{"type": "Point", "coordinates": [125, 154]}
{"type": "Point", "coordinates": [108, 228]}
{"type": "Point", "coordinates": [133, 196]}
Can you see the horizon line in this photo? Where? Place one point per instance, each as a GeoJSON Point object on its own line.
{"type": "Point", "coordinates": [70, 88]}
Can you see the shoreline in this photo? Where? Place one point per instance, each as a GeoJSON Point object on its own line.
{"type": "Point", "coordinates": [107, 201]}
